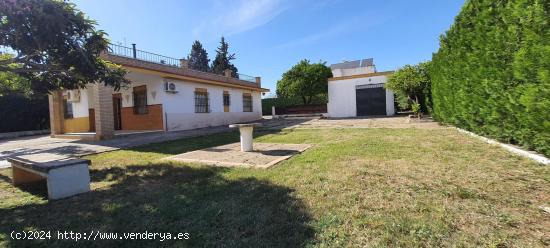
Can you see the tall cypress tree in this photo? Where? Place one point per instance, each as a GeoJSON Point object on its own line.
{"type": "Point", "coordinates": [223, 59]}
{"type": "Point", "coordinates": [198, 58]}
{"type": "Point", "coordinates": [491, 74]}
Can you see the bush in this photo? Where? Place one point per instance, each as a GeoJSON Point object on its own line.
{"type": "Point", "coordinates": [411, 85]}
{"type": "Point", "coordinates": [491, 74]}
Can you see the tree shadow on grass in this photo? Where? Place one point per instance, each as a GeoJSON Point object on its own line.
{"type": "Point", "coordinates": [214, 210]}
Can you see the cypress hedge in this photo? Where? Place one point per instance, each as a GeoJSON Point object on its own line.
{"type": "Point", "coordinates": [491, 74]}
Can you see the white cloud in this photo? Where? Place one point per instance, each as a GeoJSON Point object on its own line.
{"type": "Point", "coordinates": [239, 16]}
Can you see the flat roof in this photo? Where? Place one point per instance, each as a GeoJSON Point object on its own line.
{"type": "Point", "coordinates": [353, 64]}
{"type": "Point", "coordinates": [179, 73]}
{"type": "Point", "coordinates": [365, 75]}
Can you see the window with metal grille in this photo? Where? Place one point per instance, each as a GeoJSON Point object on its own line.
{"type": "Point", "coordinates": [202, 104]}
{"type": "Point", "coordinates": [140, 100]}
{"type": "Point", "coordinates": [247, 103]}
{"type": "Point", "coordinates": [226, 99]}
{"type": "Point", "coordinates": [68, 110]}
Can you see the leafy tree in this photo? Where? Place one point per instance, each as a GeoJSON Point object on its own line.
{"type": "Point", "coordinates": [15, 94]}
{"type": "Point", "coordinates": [304, 80]}
{"type": "Point", "coordinates": [198, 58]}
{"type": "Point", "coordinates": [491, 74]}
{"type": "Point", "coordinates": [55, 46]}
{"type": "Point", "coordinates": [411, 85]}
{"type": "Point", "coordinates": [223, 60]}
{"type": "Point", "coordinates": [12, 83]}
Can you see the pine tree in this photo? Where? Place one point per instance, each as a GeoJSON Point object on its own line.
{"type": "Point", "coordinates": [223, 59]}
{"type": "Point", "coordinates": [198, 58]}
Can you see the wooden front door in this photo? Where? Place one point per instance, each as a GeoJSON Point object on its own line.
{"type": "Point", "coordinates": [117, 110]}
{"type": "Point", "coordinates": [91, 117]}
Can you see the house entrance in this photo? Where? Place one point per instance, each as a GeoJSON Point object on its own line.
{"type": "Point", "coordinates": [117, 109]}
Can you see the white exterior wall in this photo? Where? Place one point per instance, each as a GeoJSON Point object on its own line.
{"type": "Point", "coordinates": [352, 71]}
{"type": "Point", "coordinates": [155, 88]}
{"type": "Point", "coordinates": [80, 108]}
{"type": "Point", "coordinates": [341, 96]}
{"type": "Point", "coordinates": [179, 107]}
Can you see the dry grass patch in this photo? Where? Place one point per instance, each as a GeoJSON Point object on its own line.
{"type": "Point", "coordinates": [355, 187]}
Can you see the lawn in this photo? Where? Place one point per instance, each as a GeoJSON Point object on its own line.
{"type": "Point", "coordinates": [355, 187]}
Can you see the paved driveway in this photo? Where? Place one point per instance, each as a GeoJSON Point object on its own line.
{"type": "Point", "coordinates": [372, 122]}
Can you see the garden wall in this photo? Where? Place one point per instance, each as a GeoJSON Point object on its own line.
{"type": "Point", "coordinates": [285, 103]}
{"type": "Point", "coordinates": [491, 74]}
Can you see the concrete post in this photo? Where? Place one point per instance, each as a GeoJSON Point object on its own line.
{"type": "Point", "coordinates": [246, 139]}
{"type": "Point", "coordinates": [273, 112]}
{"type": "Point", "coordinates": [57, 118]}
{"type": "Point", "coordinates": [103, 108]}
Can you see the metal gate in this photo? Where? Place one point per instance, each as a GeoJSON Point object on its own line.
{"type": "Point", "coordinates": [370, 99]}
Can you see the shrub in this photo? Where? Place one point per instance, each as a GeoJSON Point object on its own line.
{"type": "Point", "coordinates": [411, 85]}
{"type": "Point", "coordinates": [491, 74]}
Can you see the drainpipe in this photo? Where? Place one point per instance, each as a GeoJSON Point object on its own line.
{"type": "Point", "coordinates": [165, 122]}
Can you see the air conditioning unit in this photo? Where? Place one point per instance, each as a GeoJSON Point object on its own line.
{"type": "Point", "coordinates": [73, 95]}
{"type": "Point", "coordinates": [170, 87]}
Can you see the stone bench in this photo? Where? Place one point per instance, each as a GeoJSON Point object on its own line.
{"type": "Point", "coordinates": [65, 176]}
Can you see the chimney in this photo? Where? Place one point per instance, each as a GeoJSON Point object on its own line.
{"type": "Point", "coordinates": [183, 63]}
{"type": "Point", "coordinates": [259, 81]}
{"type": "Point", "coordinates": [227, 72]}
{"type": "Point", "coordinates": [134, 50]}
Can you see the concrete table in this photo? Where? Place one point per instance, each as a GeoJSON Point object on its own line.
{"type": "Point", "coordinates": [246, 135]}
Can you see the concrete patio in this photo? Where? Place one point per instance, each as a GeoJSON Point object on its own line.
{"type": "Point", "coordinates": [263, 156]}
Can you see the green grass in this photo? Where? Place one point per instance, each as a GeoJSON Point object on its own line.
{"type": "Point", "coordinates": [355, 187]}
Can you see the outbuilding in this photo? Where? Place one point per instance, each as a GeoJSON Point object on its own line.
{"type": "Point", "coordinates": [357, 89]}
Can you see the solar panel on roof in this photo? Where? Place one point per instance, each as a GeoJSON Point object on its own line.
{"type": "Point", "coordinates": [367, 62]}
{"type": "Point", "coordinates": [353, 64]}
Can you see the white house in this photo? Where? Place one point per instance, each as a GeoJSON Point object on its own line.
{"type": "Point", "coordinates": [357, 89]}
{"type": "Point", "coordinates": [164, 95]}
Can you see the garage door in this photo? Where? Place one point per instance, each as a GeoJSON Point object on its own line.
{"type": "Point", "coordinates": [370, 99]}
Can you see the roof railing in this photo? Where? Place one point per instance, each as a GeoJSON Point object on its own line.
{"type": "Point", "coordinates": [133, 53]}
{"type": "Point", "coordinates": [246, 77]}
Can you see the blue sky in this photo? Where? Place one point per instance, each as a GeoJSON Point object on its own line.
{"type": "Point", "coordinates": [269, 36]}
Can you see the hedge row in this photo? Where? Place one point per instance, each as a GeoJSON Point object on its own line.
{"type": "Point", "coordinates": [491, 74]}
{"type": "Point", "coordinates": [21, 113]}
{"type": "Point", "coordinates": [281, 102]}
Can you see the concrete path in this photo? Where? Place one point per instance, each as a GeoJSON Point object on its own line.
{"type": "Point", "coordinates": [78, 148]}
{"type": "Point", "coordinates": [373, 122]}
